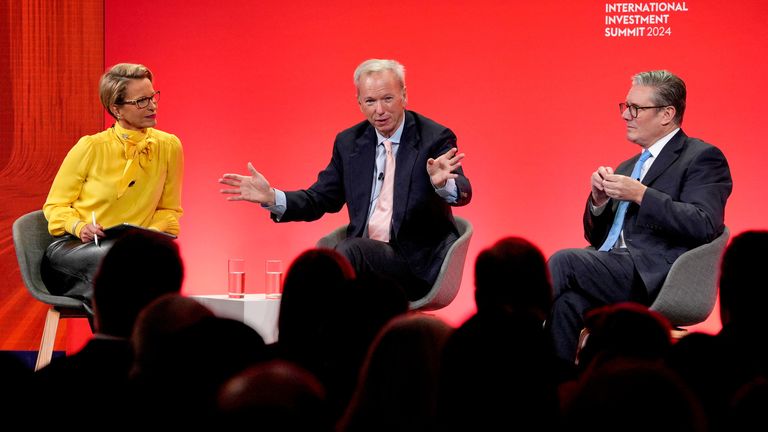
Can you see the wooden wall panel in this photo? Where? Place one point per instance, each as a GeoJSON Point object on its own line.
{"type": "Point", "coordinates": [51, 57]}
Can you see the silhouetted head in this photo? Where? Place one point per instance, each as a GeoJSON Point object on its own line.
{"type": "Point", "coordinates": [156, 323]}
{"type": "Point", "coordinates": [397, 388]}
{"type": "Point", "coordinates": [140, 267]}
{"type": "Point", "coordinates": [315, 277]}
{"type": "Point", "coordinates": [280, 395]}
{"type": "Point", "coordinates": [512, 274]}
{"type": "Point", "coordinates": [743, 284]}
{"type": "Point", "coordinates": [628, 395]}
{"type": "Point", "coordinates": [625, 330]}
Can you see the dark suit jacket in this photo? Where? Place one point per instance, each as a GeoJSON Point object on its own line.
{"type": "Point", "coordinates": [683, 207]}
{"type": "Point", "coordinates": [422, 223]}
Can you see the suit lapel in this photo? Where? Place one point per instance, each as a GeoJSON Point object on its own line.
{"type": "Point", "coordinates": [667, 157]}
{"type": "Point", "coordinates": [361, 165]}
{"type": "Point", "coordinates": [407, 154]}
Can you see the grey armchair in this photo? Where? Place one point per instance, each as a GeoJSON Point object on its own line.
{"type": "Point", "coordinates": [448, 281]}
{"type": "Point", "coordinates": [690, 290]}
{"type": "Point", "coordinates": [31, 238]}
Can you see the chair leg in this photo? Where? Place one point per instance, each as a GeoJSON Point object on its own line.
{"type": "Point", "coordinates": [583, 336]}
{"type": "Point", "coordinates": [49, 337]}
{"type": "Point", "coordinates": [679, 333]}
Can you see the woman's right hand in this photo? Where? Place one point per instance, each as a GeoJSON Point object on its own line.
{"type": "Point", "coordinates": [89, 231]}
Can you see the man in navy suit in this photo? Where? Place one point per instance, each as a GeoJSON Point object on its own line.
{"type": "Point", "coordinates": [428, 180]}
{"type": "Point", "coordinates": [677, 203]}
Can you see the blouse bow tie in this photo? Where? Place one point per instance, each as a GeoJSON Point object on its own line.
{"type": "Point", "coordinates": [138, 155]}
{"type": "Point", "coordinates": [142, 149]}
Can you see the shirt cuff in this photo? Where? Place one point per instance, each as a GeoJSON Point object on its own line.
{"type": "Point", "coordinates": [449, 192]}
{"type": "Point", "coordinates": [77, 227]}
{"type": "Point", "coordinates": [597, 210]}
{"type": "Point", "coordinates": [280, 205]}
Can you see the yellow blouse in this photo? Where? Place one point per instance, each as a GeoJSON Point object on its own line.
{"type": "Point", "coordinates": [124, 176]}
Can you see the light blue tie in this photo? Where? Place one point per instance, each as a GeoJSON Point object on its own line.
{"type": "Point", "coordinates": [621, 211]}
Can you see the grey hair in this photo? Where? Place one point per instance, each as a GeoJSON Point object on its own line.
{"type": "Point", "coordinates": [379, 65]}
{"type": "Point", "coordinates": [669, 90]}
{"type": "Point", "coordinates": [114, 82]}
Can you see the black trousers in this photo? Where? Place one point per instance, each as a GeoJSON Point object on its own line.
{"type": "Point", "coordinates": [583, 279]}
{"type": "Point", "coordinates": [382, 258]}
{"type": "Point", "coordinates": [69, 267]}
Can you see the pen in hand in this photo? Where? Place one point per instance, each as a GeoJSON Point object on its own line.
{"type": "Point", "coordinates": [95, 237]}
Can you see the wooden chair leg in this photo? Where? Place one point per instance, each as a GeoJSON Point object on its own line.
{"type": "Point", "coordinates": [49, 337]}
{"type": "Point", "coordinates": [583, 335]}
{"type": "Point", "coordinates": [679, 333]}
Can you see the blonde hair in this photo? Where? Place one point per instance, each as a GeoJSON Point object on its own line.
{"type": "Point", "coordinates": [379, 65]}
{"type": "Point", "coordinates": [113, 83]}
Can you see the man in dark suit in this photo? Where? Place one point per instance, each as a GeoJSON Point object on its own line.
{"type": "Point", "coordinates": [428, 180]}
{"type": "Point", "coordinates": [675, 201]}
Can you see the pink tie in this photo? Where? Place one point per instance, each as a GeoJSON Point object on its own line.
{"type": "Point", "coordinates": [378, 226]}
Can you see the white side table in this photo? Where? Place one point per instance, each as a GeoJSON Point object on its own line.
{"type": "Point", "coordinates": [254, 309]}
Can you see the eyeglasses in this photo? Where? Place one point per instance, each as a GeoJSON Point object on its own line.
{"type": "Point", "coordinates": [634, 110]}
{"type": "Point", "coordinates": [143, 102]}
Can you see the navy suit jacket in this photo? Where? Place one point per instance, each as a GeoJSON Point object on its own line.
{"type": "Point", "coordinates": [422, 222]}
{"type": "Point", "coordinates": [683, 207]}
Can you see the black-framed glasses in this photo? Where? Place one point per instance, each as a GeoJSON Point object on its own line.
{"type": "Point", "coordinates": [634, 110]}
{"type": "Point", "coordinates": [143, 102]}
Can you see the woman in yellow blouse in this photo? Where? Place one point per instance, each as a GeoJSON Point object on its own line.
{"type": "Point", "coordinates": [130, 173]}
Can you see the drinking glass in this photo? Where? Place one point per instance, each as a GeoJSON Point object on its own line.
{"type": "Point", "coordinates": [236, 287]}
{"type": "Point", "coordinates": [273, 287]}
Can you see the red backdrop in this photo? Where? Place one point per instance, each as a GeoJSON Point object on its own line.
{"type": "Point", "coordinates": [530, 88]}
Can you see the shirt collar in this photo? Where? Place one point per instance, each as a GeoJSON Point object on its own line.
{"type": "Point", "coordinates": [395, 138]}
{"type": "Point", "coordinates": [128, 135]}
{"type": "Point", "coordinates": [656, 148]}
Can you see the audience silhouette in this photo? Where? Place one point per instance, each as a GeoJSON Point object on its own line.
{"type": "Point", "coordinates": [16, 392]}
{"type": "Point", "coordinates": [95, 378]}
{"type": "Point", "coordinates": [397, 389]}
{"type": "Point", "coordinates": [624, 330]}
{"type": "Point", "coordinates": [619, 335]}
{"type": "Point", "coordinates": [499, 370]}
{"type": "Point", "coordinates": [717, 367]}
{"type": "Point", "coordinates": [187, 370]}
{"type": "Point", "coordinates": [513, 275]}
{"type": "Point", "coordinates": [315, 283]}
{"type": "Point", "coordinates": [328, 319]}
{"type": "Point", "coordinates": [274, 396]}
{"type": "Point", "coordinates": [351, 357]}
{"type": "Point", "coordinates": [157, 323]}
{"type": "Point", "coordinates": [633, 395]}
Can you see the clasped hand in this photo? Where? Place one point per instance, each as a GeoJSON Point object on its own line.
{"type": "Point", "coordinates": [606, 184]}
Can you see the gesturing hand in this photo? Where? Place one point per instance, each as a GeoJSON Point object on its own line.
{"type": "Point", "coordinates": [441, 169]}
{"type": "Point", "coordinates": [253, 188]}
